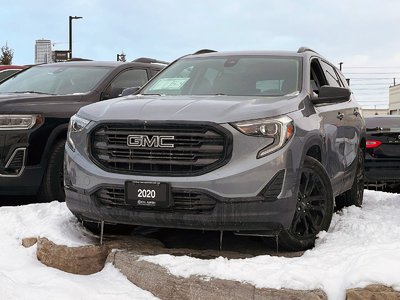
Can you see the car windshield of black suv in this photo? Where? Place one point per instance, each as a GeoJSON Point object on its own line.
{"type": "Point", "coordinates": [253, 75]}
{"type": "Point", "coordinates": [55, 80]}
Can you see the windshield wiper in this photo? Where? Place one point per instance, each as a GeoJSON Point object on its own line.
{"type": "Point", "coordinates": [32, 92]}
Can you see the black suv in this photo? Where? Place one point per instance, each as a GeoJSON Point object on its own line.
{"type": "Point", "coordinates": [35, 108]}
{"type": "Point", "coordinates": [382, 158]}
{"type": "Point", "coordinates": [255, 142]}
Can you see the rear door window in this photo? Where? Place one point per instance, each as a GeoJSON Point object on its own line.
{"type": "Point", "coordinates": [330, 74]}
{"type": "Point", "coordinates": [126, 79]}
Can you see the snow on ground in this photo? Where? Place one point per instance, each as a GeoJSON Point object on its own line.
{"type": "Point", "coordinates": [362, 247]}
{"type": "Point", "coordinates": [22, 276]}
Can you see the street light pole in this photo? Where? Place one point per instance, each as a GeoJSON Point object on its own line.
{"type": "Point", "coordinates": [70, 34]}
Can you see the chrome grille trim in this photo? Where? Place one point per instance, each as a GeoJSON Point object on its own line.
{"type": "Point", "coordinates": [197, 148]}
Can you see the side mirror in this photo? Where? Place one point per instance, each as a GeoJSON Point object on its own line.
{"type": "Point", "coordinates": [129, 91]}
{"type": "Point", "coordinates": [332, 94]}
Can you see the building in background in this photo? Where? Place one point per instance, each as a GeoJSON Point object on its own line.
{"type": "Point", "coordinates": [43, 52]}
{"type": "Point", "coordinates": [394, 99]}
{"type": "Point", "coordinates": [375, 111]}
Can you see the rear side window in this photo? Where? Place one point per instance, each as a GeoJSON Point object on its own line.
{"type": "Point", "coordinates": [4, 74]}
{"type": "Point", "coordinates": [343, 79]}
{"type": "Point", "coordinates": [154, 72]}
{"type": "Point", "coordinates": [127, 79]}
{"type": "Point", "coordinates": [330, 74]}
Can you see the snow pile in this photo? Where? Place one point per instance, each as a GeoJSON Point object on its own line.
{"type": "Point", "coordinates": [22, 276]}
{"type": "Point", "coordinates": [362, 247]}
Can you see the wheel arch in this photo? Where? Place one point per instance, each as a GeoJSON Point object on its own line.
{"type": "Point", "coordinates": [58, 133]}
{"type": "Point", "coordinates": [314, 148]}
{"type": "Point", "coordinates": [315, 152]}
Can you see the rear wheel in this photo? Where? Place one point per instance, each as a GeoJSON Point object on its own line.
{"type": "Point", "coordinates": [52, 187]}
{"type": "Point", "coordinates": [355, 195]}
{"type": "Point", "coordinates": [314, 208]}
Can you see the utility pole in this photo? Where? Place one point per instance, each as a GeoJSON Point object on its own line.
{"type": "Point", "coordinates": [340, 66]}
{"type": "Point", "coordinates": [70, 33]}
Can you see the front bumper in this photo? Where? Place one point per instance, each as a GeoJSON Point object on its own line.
{"type": "Point", "coordinates": [252, 216]}
{"type": "Point", "coordinates": [247, 194]}
{"type": "Point", "coordinates": [27, 183]}
{"type": "Point", "coordinates": [16, 176]}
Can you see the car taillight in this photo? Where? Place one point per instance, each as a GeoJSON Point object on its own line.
{"type": "Point", "coordinates": [372, 144]}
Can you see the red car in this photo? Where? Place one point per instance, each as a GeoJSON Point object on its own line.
{"type": "Point", "coordinates": [8, 70]}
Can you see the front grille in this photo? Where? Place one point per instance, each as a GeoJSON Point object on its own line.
{"type": "Point", "coordinates": [194, 149]}
{"type": "Point", "coordinates": [111, 196]}
{"type": "Point", "coordinates": [189, 201]}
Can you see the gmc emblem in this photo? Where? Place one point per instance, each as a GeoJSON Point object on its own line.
{"type": "Point", "coordinates": [156, 141]}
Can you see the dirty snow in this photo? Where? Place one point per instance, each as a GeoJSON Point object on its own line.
{"type": "Point", "coordinates": [361, 247]}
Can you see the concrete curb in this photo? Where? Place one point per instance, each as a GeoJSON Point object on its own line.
{"type": "Point", "coordinates": [157, 280]}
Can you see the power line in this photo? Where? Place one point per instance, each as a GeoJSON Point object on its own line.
{"type": "Point", "coordinates": [370, 84]}
{"type": "Point", "coordinates": [371, 90]}
{"type": "Point", "coordinates": [371, 78]}
{"type": "Point", "coordinates": [370, 100]}
{"type": "Point", "coordinates": [368, 96]}
{"type": "Point", "coordinates": [384, 89]}
{"type": "Point", "coordinates": [371, 73]}
{"type": "Point", "coordinates": [372, 67]}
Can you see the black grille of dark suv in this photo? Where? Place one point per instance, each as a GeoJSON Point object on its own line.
{"type": "Point", "coordinates": [194, 149]}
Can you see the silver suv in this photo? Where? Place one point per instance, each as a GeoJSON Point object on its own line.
{"type": "Point", "coordinates": [259, 143]}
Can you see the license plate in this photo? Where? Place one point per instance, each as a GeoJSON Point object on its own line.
{"type": "Point", "coordinates": [147, 194]}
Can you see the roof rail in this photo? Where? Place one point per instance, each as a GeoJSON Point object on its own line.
{"type": "Point", "coordinates": [202, 51]}
{"type": "Point", "coordinates": [150, 61]}
{"type": "Point", "coordinates": [304, 49]}
{"type": "Point", "coordinates": [79, 59]}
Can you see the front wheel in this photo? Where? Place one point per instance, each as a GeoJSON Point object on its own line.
{"type": "Point", "coordinates": [52, 187]}
{"type": "Point", "coordinates": [314, 208]}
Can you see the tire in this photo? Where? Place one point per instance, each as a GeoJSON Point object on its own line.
{"type": "Point", "coordinates": [52, 187]}
{"type": "Point", "coordinates": [355, 195]}
{"type": "Point", "coordinates": [314, 208]}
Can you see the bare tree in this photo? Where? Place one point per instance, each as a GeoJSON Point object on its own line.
{"type": "Point", "coordinates": [6, 55]}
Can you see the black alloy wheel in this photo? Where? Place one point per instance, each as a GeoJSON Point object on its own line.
{"type": "Point", "coordinates": [311, 205]}
{"type": "Point", "coordinates": [314, 208]}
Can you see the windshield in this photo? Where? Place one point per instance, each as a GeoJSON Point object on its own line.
{"type": "Point", "coordinates": [55, 80]}
{"type": "Point", "coordinates": [254, 75]}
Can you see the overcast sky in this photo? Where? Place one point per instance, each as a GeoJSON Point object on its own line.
{"type": "Point", "coordinates": [359, 33]}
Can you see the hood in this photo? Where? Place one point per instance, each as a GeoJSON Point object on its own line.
{"type": "Point", "coordinates": [32, 102]}
{"type": "Point", "coordinates": [218, 109]}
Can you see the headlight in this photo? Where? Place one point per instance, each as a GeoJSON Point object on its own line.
{"type": "Point", "coordinates": [279, 129]}
{"type": "Point", "coordinates": [76, 124]}
{"type": "Point", "coordinates": [19, 122]}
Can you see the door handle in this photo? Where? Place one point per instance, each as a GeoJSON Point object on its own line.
{"type": "Point", "coordinates": [356, 112]}
{"type": "Point", "coordinates": [340, 116]}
